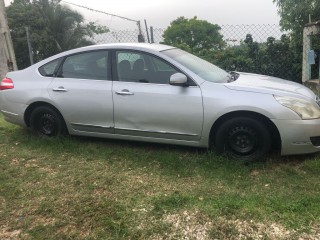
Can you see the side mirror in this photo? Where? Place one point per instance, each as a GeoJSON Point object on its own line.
{"type": "Point", "coordinates": [178, 79]}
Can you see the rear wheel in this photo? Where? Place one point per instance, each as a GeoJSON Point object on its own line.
{"type": "Point", "coordinates": [47, 122]}
{"type": "Point", "coordinates": [243, 138]}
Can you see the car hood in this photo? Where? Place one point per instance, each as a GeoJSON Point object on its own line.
{"type": "Point", "coordinates": [269, 85]}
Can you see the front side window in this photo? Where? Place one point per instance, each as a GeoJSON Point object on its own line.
{"type": "Point", "coordinates": [143, 68]}
{"type": "Point", "coordinates": [88, 65]}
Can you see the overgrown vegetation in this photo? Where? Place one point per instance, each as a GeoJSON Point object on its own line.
{"type": "Point", "coordinates": [280, 58]}
{"type": "Point", "coordinates": [53, 28]}
{"type": "Point", "coordinates": [273, 58]}
{"type": "Point", "coordinates": [196, 36]}
{"type": "Point", "coordinates": [86, 188]}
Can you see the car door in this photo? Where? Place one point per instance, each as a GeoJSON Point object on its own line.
{"type": "Point", "coordinates": [146, 105]}
{"type": "Point", "coordinates": [82, 92]}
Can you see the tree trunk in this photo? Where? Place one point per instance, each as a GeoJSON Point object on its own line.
{"type": "Point", "coordinates": [7, 56]}
{"type": "Point", "coordinates": [3, 57]}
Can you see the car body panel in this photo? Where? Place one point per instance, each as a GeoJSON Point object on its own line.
{"type": "Point", "coordinates": [93, 111]}
{"type": "Point", "coordinates": [159, 113]}
{"type": "Point", "coordinates": [295, 135]}
{"type": "Point", "coordinates": [270, 85]}
{"type": "Point", "coordinates": [158, 110]}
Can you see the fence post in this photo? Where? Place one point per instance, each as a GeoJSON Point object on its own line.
{"type": "Point", "coordinates": [29, 46]}
{"type": "Point", "coordinates": [151, 34]}
{"type": "Point", "coordinates": [145, 23]}
{"type": "Point", "coordinates": [140, 36]}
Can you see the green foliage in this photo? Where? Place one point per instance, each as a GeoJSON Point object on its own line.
{"type": "Point", "coordinates": [53, 28]}
{"type": "Point", "coordinates": [273, 57]}
{"type": "Point", "coordinates": [87, 188]}
{"type": "Point", "coordinates": [295, 13]}
{"type": "Point", "coordinates": [196, 36]}
{"type": "Point", "coordinates": [234, 58]}
{"type": "Point", "coordinates": [294, 16]}
{"type": "Point", "coordinates": [279, 58]}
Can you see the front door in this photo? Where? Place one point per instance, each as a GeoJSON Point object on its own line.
{"type": "Point", "coordinates": [146, 105]}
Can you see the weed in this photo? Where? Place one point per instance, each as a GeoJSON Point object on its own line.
{"type": "Point", "coordinates": [88, 188]}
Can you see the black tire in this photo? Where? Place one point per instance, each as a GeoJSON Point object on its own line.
{"type": "Point", "coordinates": [46, 121]}
{"type": "Point", "coordinates": [243, 138]}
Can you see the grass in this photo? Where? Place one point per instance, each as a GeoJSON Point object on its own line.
{"type": "Point", "coordinates": [87, 188]}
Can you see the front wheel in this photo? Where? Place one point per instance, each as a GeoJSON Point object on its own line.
{"type": "Point", "coordinates": [243, 138]}
{"type": "Point", "coordinates": [47, 122]}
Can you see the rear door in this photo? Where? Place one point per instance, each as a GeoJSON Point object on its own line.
{"type": "Point", "coordinates": [82, 92]}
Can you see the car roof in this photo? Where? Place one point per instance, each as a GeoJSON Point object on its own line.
{"type": "Point", "coordinates": [145, 46]}
{"type": "Point", "coordinates": [149, 47]}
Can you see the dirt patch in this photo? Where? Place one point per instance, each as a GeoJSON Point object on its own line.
{"type": "Point", "coordinates": [193, 225]}
{"type": "Point", "coordinates": [6, 233]}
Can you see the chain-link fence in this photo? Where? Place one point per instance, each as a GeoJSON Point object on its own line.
{"type": "Point", "coordinates": [261, 49]}
{"type": "Point", "coordinates": [233, 34]}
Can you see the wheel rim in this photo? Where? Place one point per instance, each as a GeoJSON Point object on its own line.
{"type": "Point", "coordinates": [242, 140]}
{"type": "Point", "coordinates": [47, 124]}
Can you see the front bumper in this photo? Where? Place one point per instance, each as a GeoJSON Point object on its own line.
{"type": "Point", "coordinates": [296, 136]}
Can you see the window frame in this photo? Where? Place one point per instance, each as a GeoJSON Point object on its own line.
{"type": "Point", "coordinates": [108, 69]}
{"type": "Point", "coordinates": [60, 60]}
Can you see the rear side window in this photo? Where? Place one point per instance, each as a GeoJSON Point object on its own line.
{"type": "Point", "coordinates": [88, 65]}
{"type": "Point", "coordinates": [50, 68]}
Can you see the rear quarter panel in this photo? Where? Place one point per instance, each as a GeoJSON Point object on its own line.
{"type": "Point", "coordinates": [29, 87]}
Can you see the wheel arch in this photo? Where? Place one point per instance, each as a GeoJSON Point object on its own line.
{"type": "Point", "coordinates": [33, 106]}
{"type": "Point", "coordinates": [275, 135]}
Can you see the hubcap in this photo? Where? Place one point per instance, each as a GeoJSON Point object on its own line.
{"type": "Point", "coordinates": [47, 124]}
{"type": "Point", "coordinates": [242, 139]}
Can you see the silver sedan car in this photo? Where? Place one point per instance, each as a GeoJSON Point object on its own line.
{"type": "Point", "coordinates": [157, 93]}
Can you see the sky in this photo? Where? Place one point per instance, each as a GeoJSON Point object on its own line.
{"type": "Point", "coordinates": [160, 13]}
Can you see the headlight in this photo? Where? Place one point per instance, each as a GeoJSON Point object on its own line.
{"type": "Point", "coordinates": [305, 109]}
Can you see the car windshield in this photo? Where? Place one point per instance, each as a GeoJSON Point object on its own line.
{"type": "Point", "coordinates": [202, 68]}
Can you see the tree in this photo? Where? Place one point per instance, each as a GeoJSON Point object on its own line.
{"type": "Point", "coordinates": [253, 52]}
{"type": "Point", "coordinates": [295, 13]}
{"type": "Point", "coordinates": [3, 59]}
{"type": "Point", "coordinates": [196, 36]}
{"type": "Point", "coordinates": [7, 54]}
{"type": "Point", "coordinates": [273, 57]}
{"type": "Point", "coordinates": [234, 58]}
{"type": "Point", "coordinates": [294, 16]}
{"type": "Point", "coordinates": [53, 28]}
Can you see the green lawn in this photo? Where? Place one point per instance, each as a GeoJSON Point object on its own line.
{"type": "Point", "coordinates": [86, 188]}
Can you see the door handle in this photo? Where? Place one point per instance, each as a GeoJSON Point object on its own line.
{"type": "Point", "coordinates": [60, 89]}
{"type": "Point", "coordinates": [124, 92]}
